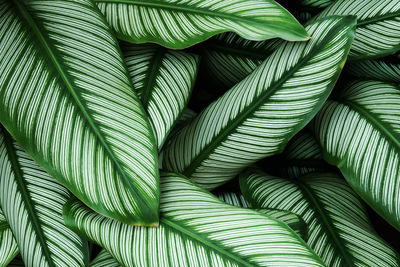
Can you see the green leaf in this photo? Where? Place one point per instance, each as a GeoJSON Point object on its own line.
{"type": "Point", "coordinates": [385, 69]}
{"type": "Point", "coordinates": [32, 202]}
{"type": "Point", "coordinates": [340, 231]}
{"type": "Point", "coordinates": [228, 58]}
{"type": "Point", "coordinates": [8, 246]}
{"type": "Point", "coordinates": [179, 24]}
{"type": "Point", "coordinates": [104, 259]}
{"type": "Point", "coordinates": [359, 132]}
{"type": "Point", "coordinates": [259, 115]}
{"type": "Point", "coordinates": [196, 229]}
{"type": "Point", "coordinates": [294, 221]}
{"type": "Point", "coordinates": [378, 26]}
{"type": "Point", "coordinates": [163, 80]}
{"type": "Point", "coordinates": [66, 97]}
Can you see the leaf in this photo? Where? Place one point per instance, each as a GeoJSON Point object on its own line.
{"type": "Point", "coordinates": [228, 58]}
{"type": "Point", "coordinates": [378, 26]}
{"type": "Point", "coordinates": [8, 246]}
{"type": "Point", "coordinates": [295, 222]}
{"type": "Point", "coordinates": [179, 24]}
{"type": "Point", "coordinates": [104, 259]}
{"type": "Point", "coordinates": [340, 231]}
{"type": "Point", "coordinates": [196, 229]}
{"type": "Point", "coordinates": [385, 69]}
{"type": "Point", "coordinates": [32, 202]}
{"type": "Point", "coordinates": [359, 132]}
{"type": "Point", "coordinates": [66, 97]}
{"type": "Point", "coordinates": [163, 79]}
{"type": "Point", "coordinates": [258, 116]}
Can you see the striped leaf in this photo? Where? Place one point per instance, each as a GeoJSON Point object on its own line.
{"type": "Point", "coordinates": [32, 202]}
{"type": "Point", "coordinates": [196, 229]}
{"type": "Point", "coordinates": [182, 23]}
{"type": "Point", "coordinates": [8, 246]}
{"type": "Point", "coordinates": [378, 26]}
{"type": "Point", "coordinates": [295, 222]}
{"type": "Point", "coordinates": [359, 132]}
{"type": "Point", "coordinates": [340, 231]}
{"type": "Point", "coordinates": [163, 80]}
{"type": "Point", "coordinates": [302, 155]}
{"type": "Point", "coordinates": [66, 96]}
{"type": "Point", "coordinates": [228, 58]}
{"type": "Point", "coordinates": [385, 69]}
{"type": "Point", "coordinates": [258, 116]}
{"type": "Point", "coordinates": [104, 259]}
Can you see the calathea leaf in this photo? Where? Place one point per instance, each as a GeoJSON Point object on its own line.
{"type": "Point", "coordinates": [8, 246]}
{"type": "Point", "coordinates": [66, 96]}
{"type": "Point", "coordinates": [378, 26]}
{"type": "Point", "coordinates": [295, 222]}
{"type": "Point", "coordinates": [196, 229]}
{"type": "Point", "coordinates": [32, 202]}
{"type": "Point", "coordinates": [104, 259]}
{"type": "Point", "coordinates": [179, 24]}
{"type": "Point", "coordinates": [385, 69]}
{"type": "Point", "coordinates": [359, 132]}
{"type": "Point", "coordinates": [227, 58]}
{"type": "Point", "coordinates": [163, 80]}
{"type": "Point", "coordinates": [340, 231]}
{"type": "Point", "coordinates": [258, 116]}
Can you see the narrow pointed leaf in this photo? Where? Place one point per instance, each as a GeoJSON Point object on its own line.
{"type": "Point", "coordinates": [163, 80]}
{"type": "Point", "coordinates": [179, 24]}
{"type": "Point", "coordinates": [385, 69]}
{"type": "Point", "coordinates": [258, 116]}
{"type": "Point", "coordinates": [359, 132]}
{"type": "Point", "coordinates": [8, 246]}
{"type": "Point", "coordinates": [378, 26]}
{"type": "Point", "coordinates": [66, 96]}
{"type": "Point", "coordinates": [295, 222]}
{"type": "Point", "coordinates": [32, 202]}
{"type": "Point", "coordinates": [228, 58]}
{"type": "Point", "coordinates": [340, 231]}
{"type": "Point", "coordinates": [196, 229]}
{"type": "Point", "coordinates": [104, 259]}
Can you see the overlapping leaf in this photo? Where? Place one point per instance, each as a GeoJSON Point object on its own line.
{"type": "Point", "coordinates": [104, 259]}
{"type": "Point", "coordinates": [196, 229]}
{"type": "Point", "coordinates": [163, 80]}
{"type": "Point", "coordinates": [378, 26]}
{"type": "Point", "coordinates": [359, 132]}
{"type": "Point", "coordinates": [258, 116]}
{"type": "Point", "coordinates": [32, 202]}
{"type": "Point", "coordinates": [340, 231]}
{"type": "Point", "coordinates": [385, 69]}
{"type": "Point", "coordinates": [66, 96]}
{"type": "Point", "coordinates": [8, 246]}
{"type": "Point", "coordinates": [181, 23]}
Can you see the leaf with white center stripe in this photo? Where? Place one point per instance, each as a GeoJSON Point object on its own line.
{"type": "Point", "coordinates": [378, 26]}
{"type": "Point", "coordinates": [181, 23]}
{"type": "Point", "coordinates": [32, 202]}
{"type": "Point", "coordinates": [295, 222]}
{"type": "Point", "coordinates": [8, 246]}
{"type": "Point", "coordinates": [69, 102]}
{"type": "Point", "coordinates": [385, 69]}
{"type": "Point", "coordinates": [259, 115]}
{"type": "Point", "coordinates": [163, 80]}
{"type": "Point", "coordinates": [196, 229]}
{"type": "Point", "coordinates": [228, 58]}
{"type": "Point", "coordinates": [302, 155]}
{"type": "Point", "coordinates": [359, 132]}
{"type": "Point", "coordinates": [340, 231]}
{"type": "Point", "coordinates": [104, 259]}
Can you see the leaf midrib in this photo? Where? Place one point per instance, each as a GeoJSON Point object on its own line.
{"type": "Point", "coordinates": [233, 124]}
{"type": "Point", "coordinates": [64, 77]}
{"type": "Point", "coordinates": [185, 231]}
{"type": "Point", "coordinates": [25, 195]}
{"type": "Point", "coordinates": [326, 222]}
